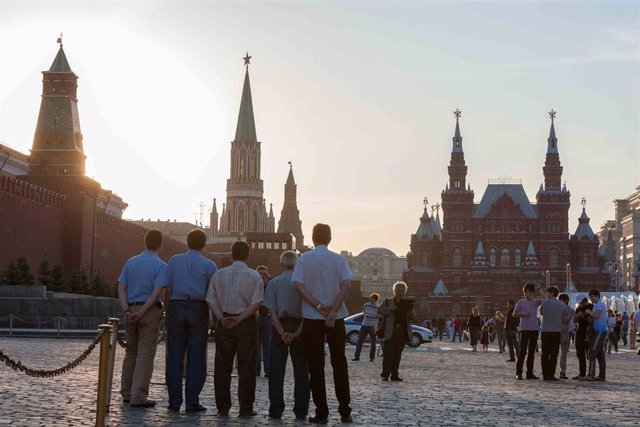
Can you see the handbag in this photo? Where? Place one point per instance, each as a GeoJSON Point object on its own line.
{"type": "Point", "coordinates": [381, 322]}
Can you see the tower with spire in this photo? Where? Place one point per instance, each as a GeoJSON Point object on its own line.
{"type": "Point", "coordinates": [245, 208]}
{"type": "Point", "coordinates": [457, 201]}
{"type": "Point", "coordinates": [57, 147]}
{"type": "Point", "coordinates": [290, 215]}
{"type": "Point", "coordinates": [584, 244]}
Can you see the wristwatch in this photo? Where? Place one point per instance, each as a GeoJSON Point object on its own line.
{"type": "Point", "coordinates": [318, 306]}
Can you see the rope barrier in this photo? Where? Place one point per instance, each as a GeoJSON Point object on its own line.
{"type": "Point", "coordinates": [122, 342]}
{"type": "Point", "coordinates": [42, 322]}
{"type": "Point", "coordinates": [43, 373]}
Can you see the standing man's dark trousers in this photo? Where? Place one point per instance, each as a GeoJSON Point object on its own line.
{"type": "Point", "coordinates": [314, 332]}
{"type": "Point", "coordinates": [582, 349]}
{"type": "Point", "coordinates": [512, 343]}
{"type": "Point", "coordinates": [264, 338]}
{"type": "Point", "coordinates": [278, 365]}
{"type": "Point", "coordinates": [371, 332]}
{"type": "Point", "coordinates": [243, 340]}
{"type": "Point", "coordinates": [458, 332]}
{"type": "Point", "coordinates": [549, 354]}
{"type": "Point", "coordinates": [393, 352]}
{"type": "Point", "coordinates": [528, 342]}
{"type": "Point", "coordinates": [187, 330]}
{"type": "Point", "coordinates": [596, 353]}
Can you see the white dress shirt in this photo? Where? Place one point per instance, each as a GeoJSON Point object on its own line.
{"type": "Point", "coordinates": [321, 271]}
{"type": "Point", "coordinates": [232, 289]}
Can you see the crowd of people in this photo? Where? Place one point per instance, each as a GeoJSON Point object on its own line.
{"type": "Point", "coordinates": [260, 322]}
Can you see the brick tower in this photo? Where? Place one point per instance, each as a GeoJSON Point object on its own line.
{"type": "Point", "coordinates": [290, 215]}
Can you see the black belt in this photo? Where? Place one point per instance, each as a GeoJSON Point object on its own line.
{"type": "Point", "coordinates": [229, 315]}
{"type": "Point", "coordinates": [199, 301]}
{"type": "Point", "coordinates": [158, 304]}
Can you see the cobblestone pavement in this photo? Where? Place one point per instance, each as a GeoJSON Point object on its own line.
{"type": "Point", "coordinates": [445, 384]}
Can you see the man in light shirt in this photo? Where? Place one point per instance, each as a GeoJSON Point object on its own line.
{"type": "Point", "coordinates": [527, 310]}
{"type": "Point", "coordinates": [598, 338]}
{"type": "Point", "coordinates": [636, 318]}
{"type": "Point", "coordinates": [234, 295]}
{"type": "Point", "coordinates": [323, 279]}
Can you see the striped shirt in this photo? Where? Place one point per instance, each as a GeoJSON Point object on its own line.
{"type": "Point", "coordinates": [370, 311]}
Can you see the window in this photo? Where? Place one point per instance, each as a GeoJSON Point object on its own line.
{"type": "Point", "coordinates": [253, 245]}
{"type": "Point", "coordinates": [504, 257]}
{"type": "Point", "coordinates": [425, 259]}
{"type": "Point", "coordinates": [269, 245]}
{"type": "Point", "coordinates": [457, 257]}
{"type": "Point", "coordinates": [285, 246]}
{"type": "Point", "coordinates": [492, 257]}
{"type": "Point", "coordinates": [585, 260]}
{"type": "Point", "coordinates": [276, 245]}
{"type": "Point", "coordinates": [260, 245]}
{"type": "Point", "coordinates": [554, 258]}
{"type": "Point", "coordinates": [517, 257]}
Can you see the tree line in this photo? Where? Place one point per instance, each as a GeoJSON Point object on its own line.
{"type": "Point", "coordinates": [77, 282]}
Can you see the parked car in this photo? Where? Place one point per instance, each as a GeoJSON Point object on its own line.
{"type": "Point", "coordinates": [353, 323]}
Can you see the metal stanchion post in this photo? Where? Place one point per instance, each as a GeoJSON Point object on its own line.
{"type": "Point", "coordinates": [10, 324]}
{"type": "Point", "coordinates": [105, 341]}
{"type": "Point", "coordinates": [58, 324]}
{"type": "Point", "coordinates": [114, 321]}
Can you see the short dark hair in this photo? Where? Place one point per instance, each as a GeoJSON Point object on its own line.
{"type": "Point", "coordinates": [553, 291]}
{"type": "Point", "coordinates": [563, 297]}
{"type": "Point", "coordinates": [262, 267]}
{"type": "Point", "coordinates": [511, 302]}
{"type": "Point", "coordinates": [529, 287]}
{"type": "Point", "coordinates": [153, 240]}
{"type": "Point", "coordinates": [196, 239]}
{"type": "Point", "coordinates": [240, 251]}
{"type": "Point", "coordinates": [594, 292]}
{"type": "Point", "coordinates": [321, 234]}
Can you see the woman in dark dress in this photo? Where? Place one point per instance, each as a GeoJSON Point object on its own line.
{"type": "Point", "coordinates": [474, 323]}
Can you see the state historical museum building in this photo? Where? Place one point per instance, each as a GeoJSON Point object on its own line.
{"type": "Point", "coordinates": [484, 252]}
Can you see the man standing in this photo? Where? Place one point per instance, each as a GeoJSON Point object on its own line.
{"type": "Point", "coordinates": [582, 320]}
{"type": "Point", "coordinates": [285, 306]}
{"type": "Point", "coordinates": [264, 326]}
{"type": "Point", "coordinates": [188, 277]}
{"type": "Point", "coordinates": [323, 279]}
{"type": "Point", "coordinates": [636, 318]}
{"type": "Point", "coordinates": [457, 328]}
{"type": "Point", "coordinates": [527, 310]}
{"type": "Point", "coordinates": [369, 321]}
{"type": "Point", "coordinates": [554, 313]}
{"type": "Point", "coordinates": [234, 295]}
{"type": "Point", "coordinates": [140, 285]}
{"type": "Point", "coordinates": [565, 337]}
{"type": "Point", "coordinates": [598, 339]}
{"type": "Point", "coordinates": [441, 324]}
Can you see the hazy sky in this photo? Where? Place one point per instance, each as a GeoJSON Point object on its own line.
{"type": "Point", "coordinates": [359, 95]}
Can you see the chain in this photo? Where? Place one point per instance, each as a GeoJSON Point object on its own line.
{"type": "Point", "coordinates": [122, 342]}
{"type": "Point", "coordinates": [42, 322]}
{"type": "Point", "coordinates": [42, 373]}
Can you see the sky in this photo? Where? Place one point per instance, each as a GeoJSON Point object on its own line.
{"type": "Point", "coordinates": [359, 95]}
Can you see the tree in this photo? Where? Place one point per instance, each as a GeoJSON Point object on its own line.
{"type": "Point", "coordinates": [45, 276]}
{"type": "Point", "coordinates": [10, 276]}
{"type": "Point", "coordinates": [58, 284]}
{"type": "Point", "coordinates": [99, 287]}
{"type": "Point", "coordinates": [78, 282]}
{"type": "Point", "coordinates": [24, 272]}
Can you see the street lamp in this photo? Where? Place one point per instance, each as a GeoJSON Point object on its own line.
{"type": "Point", "coordinates": [568, 271]}
{"type": "Point", "coordinates": [613, 267]}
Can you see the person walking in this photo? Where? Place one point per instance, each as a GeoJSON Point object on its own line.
{"type": "Point", "coordinates": [285, 307]}
{"type": "Point", "coordinates": [598, 339]}
{"type": "Point", "coordinates": [527, 310]}
{"type": "Point", "coordinates": [625, 328]}
{"type": "Point", "coordinates": [474, 323]}
{"type": "Point", "coordinates": [323, 280]}
{"type": "Point", "coordinates": [398, 314]}
{"type": "Point", "coordinates": [511, 332]}
{"type": "Point", "coordinates": [632, 331]}
{"type": "Point", "coordinates": [457, 328]}
{"type": "Point", "coordinates": [368, 328]}
{"type": "Point", "coordinates": [140, 286]}
{"type": "Point", "coordinates": [611, 335]}
{"type": "Point", "coordinates": [264, 326]}
{"type": "Point", "coordinates": [582, 320]}
{"type": "Point", "coordinates": [441, 324]}
{"type": "Point", "coordinates": [233, 296]}
{"type": "Point", "coordinates": [565, 338]}
{"type": "Point", "coordinates": [499, 330]}
{"type": "Point", "coordinates": [188, 277]}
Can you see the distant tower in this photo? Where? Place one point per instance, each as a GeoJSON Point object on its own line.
{"type": "Point", "coordinates": [213, 220]}
{"type": "Point", "coordinates": [245, 209]}
{"type": "Point", "coordinates": [290, 215]}
{"type": "Point", "coordinates": [57, 144]}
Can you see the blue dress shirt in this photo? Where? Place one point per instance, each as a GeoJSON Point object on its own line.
{"type": "Point", "coordinates": [188, 276]}
{"type": "Point", "coordinates": [141, 274]}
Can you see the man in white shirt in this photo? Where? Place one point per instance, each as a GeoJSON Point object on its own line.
{"type": "Point", "coordinates": [636, 318]}
{"type": "Point", "coordinates": [234, 295]}
{"type": "Point", "coordinates": [323, 279]}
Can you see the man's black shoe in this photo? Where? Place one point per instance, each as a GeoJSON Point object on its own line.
{"type": "Point", "coordinates": [532, 377]}
{"type": "Point", "coordinates": [275, 417]}
{"type": "Point", "coordinates": [223, 413]}
{"type": "Point", "coordinates": [385, 378]}
{"type": "Point", "coordinates": [247, 414]}
{"type": "Point", "coordinates": [563, 376]}
{"type": "Point", "coordinates": [126, 400]}
{"type": "Point", "coordinates": [519, 377]}
{"type": "Point", "coordinates": [173, 408]}
{"type": "Point", "coordinates": [317, 420]}
{"type": "Point", "coordinates": [147, 404]}
{"type": "Point", "coordinates": [396, 379]}
{"type": "Point", "coordinates": [196, 408]}
{"type": "Point", "coordinates": [355, 359]}
{"type": "Point", "coordinates": [371, 360]}
{"type": "Point", "coordinates": [346, 419]}
{"type": "Point", "coordinates": [511, 360]}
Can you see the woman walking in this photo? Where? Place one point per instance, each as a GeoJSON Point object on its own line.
{"type": "Point", "coordinates": [474, 323]}
{"type": "Point", "coordinates": [499, 330]}
{"type": "Point", "coordinates": [398, 313]}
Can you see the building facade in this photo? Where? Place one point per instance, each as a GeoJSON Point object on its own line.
{"type": "Point", "coordinates": [377, 269]}
{"type": "Point", "coordinates": [483, 252]}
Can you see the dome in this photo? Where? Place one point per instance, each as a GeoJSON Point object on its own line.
{"type": "Point", "coordinates": [377, 252]}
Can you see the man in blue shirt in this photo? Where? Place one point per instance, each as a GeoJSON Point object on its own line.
{"type": "Point", "coordinates": [598, 338]}
{"type": "Point", "coordinates": [188, 276]}
{"type": "Point", "coordinates": [140, 285]}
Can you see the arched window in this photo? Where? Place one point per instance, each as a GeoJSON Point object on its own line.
{"type": "Point", "coordinates": [492, 257]}
{"type": "Point", "coordinates": [504, 257]}
{"type": "Point", "coordinates": [457, 257]}
{"type": "Point", "coordinates": [585, 260]}
{"type": "Point", "coordinates": [554, 258]}
{"type": "Point", "coordinates": [425, 259]}
{"type": "Point", "coordinates": [517, 257]}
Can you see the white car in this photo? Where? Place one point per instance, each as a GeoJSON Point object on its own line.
{"type": "Point", "coordinates": [352, 328]}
